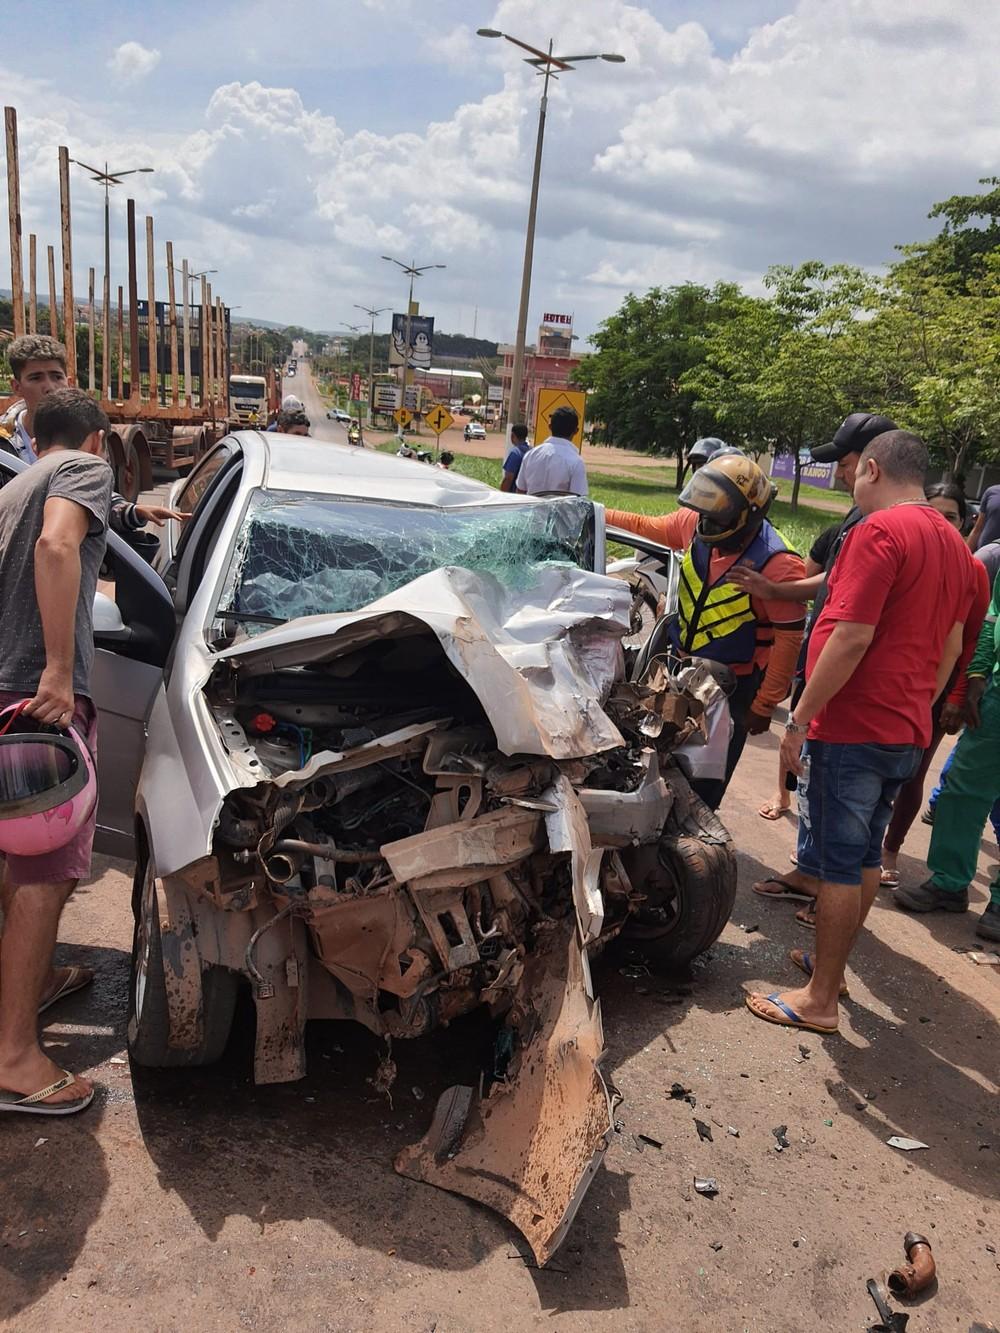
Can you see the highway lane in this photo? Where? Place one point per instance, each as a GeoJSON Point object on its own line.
{"type": "Point", "coordinates": [304, 387]}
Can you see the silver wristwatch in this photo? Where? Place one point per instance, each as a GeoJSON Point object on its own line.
{"type": "Point", "coordinates": [796, 728]}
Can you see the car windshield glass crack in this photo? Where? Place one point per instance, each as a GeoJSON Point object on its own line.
{"type": "Point", "coordinates": [304, 555]}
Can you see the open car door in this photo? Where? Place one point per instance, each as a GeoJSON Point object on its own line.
{"type": "Point", "coordinates": [134, 627]}
{"type": "Point", "coordinates": [133, 632]}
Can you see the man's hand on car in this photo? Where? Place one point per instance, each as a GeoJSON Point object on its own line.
{"type": "Point", "coordinates": [974, 692]}
{"type": "Point", "coordinates": [53, 702]}
{"type": "Point", "coordinates": [159, 514]}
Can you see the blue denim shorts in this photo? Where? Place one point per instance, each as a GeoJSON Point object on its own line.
{"type": "Point", "coordinates": [847, 804]}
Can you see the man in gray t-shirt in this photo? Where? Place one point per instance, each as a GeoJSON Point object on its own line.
{"type": "Point", "coordinates": [53, 526]}
{"type": "Point", "coordinates": [85, 482]}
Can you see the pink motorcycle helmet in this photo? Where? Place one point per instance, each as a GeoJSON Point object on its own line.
{"type": "Point", "coordinates": [48, 784]}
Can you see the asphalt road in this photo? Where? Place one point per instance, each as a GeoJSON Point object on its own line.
{"type": "Point", "coordinates": [303, 386]}
{"type": "Point", "coordinates": [191, 1200]}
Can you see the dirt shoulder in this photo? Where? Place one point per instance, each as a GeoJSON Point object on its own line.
{"type": "Point", "coordinates": [192, 1200]}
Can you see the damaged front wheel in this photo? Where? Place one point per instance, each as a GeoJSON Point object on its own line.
{"type": "Point", "coordinates": [689, 887]}
{"type": "Point", "coordinates": [149, 1009]}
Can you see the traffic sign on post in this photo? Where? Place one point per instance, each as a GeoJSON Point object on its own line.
{"type": "Point", "coordinates": [439, 419]}
{"type": "Point", "coordinates": [403, 416]}
{"type": "Point", "coordinates": [548, 401]}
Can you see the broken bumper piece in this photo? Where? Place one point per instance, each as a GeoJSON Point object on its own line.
{"type": "Point", "coordinates": [529, 1147]}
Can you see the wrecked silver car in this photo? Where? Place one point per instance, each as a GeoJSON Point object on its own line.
{"type": "Point", "coordinates": [398, 770]}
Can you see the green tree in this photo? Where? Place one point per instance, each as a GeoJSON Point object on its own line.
{"type": "Point", "coordinates": [780, 372]}
{"type": "Point", "coordinates": [641, 354]}
{"type": "Point", "coordinates": [936, 352]}
{"type": "Point", "coordinates": [960, 250]}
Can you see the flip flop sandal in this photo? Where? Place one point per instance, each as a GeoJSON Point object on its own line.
{"type": "Point", "coordinates": [35, 1103]}
{"type": "Point", "coordinates": [806, 918]}
{"type": "Point", "coordinates": [788, 1018]}
{"type": "Point", "coordinates": [805, 964]}
{"type": "Point", "coordinates": [889, 879]}
{"type": "Point", "coordinates": [789, 891]}
{"type": "Point", "coordinates": [774, 812]}
{"type": "Point", "coordinates": [76, 979]}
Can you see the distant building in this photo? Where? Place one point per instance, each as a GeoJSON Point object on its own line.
{"type": "Point", "coordinates": [548, 364]}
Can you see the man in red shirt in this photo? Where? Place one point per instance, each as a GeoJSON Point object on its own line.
{"type": "Point", "coordinates": [879, 655]}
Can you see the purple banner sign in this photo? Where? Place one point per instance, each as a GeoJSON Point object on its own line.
{"type": "Point", "coordinates": [815, 474]}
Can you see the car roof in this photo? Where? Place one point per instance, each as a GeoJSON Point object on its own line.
{"type": "Point", "coordinates": [297, 463]}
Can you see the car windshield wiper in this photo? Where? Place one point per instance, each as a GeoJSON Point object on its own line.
{"type": "Point", "coordinates": [249, 616]}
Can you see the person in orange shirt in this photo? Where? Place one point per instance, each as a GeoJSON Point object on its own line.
{"type": "Point", "coordinates": [723, 522]}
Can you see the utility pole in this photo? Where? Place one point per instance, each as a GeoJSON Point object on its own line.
{"type": "Point", "coordinates": [373, 315]}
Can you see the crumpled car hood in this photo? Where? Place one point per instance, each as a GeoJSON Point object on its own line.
{"type": "Point", "coordinates": [540, 655]}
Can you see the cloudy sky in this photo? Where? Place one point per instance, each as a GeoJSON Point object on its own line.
{"type": "Point", "coordinates": [293, 144]}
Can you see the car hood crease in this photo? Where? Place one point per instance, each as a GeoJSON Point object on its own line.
{"type": "Point", "coordinates": [540, 651]}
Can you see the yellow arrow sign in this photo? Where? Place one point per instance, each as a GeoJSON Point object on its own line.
{"type": "Point", "coordinates": [439, 419]}
{"type": "Point", "coordinates": [403, 416]}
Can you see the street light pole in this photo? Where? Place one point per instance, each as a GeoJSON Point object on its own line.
{"type": "Point", "coordinates": [372, 314]}
{"type": "Point", "coordinates": [353, 330]}
{"type": "Point", "coordinates": [545, 64]}
{"type": "Point", "coordinates": [415, 271]}
{"type": "Point", "coordinates": [107, 179]}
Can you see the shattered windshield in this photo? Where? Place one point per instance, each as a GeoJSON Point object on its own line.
{"type": "Point", "coordinates": [301, 554]}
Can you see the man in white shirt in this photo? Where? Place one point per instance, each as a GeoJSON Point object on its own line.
{"type": "Point", "coordinates": [555, 467]}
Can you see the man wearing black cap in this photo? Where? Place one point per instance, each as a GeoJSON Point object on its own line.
{"type": "Point", "coordinates": [853, 436]}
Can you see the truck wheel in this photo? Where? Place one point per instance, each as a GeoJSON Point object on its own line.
{"type": "Point", "coordinates": [148, 1015]}
{"type": "Point", "coordinates": [690, 891]}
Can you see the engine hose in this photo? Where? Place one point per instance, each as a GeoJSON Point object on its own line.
{"type": "Point", "coordinates": [281, 867]}
{"type": "Point", "coordinates": [263, 988]}
{"type": "Point", "coordinates": [284, 814]}
{"type": "Point", "coordinates": [327, 851]}
{"type": "Point", "coordinates": [919, 1273]}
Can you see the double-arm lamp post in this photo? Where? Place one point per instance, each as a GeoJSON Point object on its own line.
{"type": "Point", "coordinates": [372, 315]}
{"type": "Point", "coordinates": [413, 271]}
{"type": "Point", "coordinates": [107, 179]}
{"type": "Point", "coordinates": [550, 67]}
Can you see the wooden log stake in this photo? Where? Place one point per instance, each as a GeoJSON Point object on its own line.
{"type": "Point", "coordinates": [66, 230]}
{"type": "Point", "coordinates": [14, 220]}
{"type": "Point", "coordinates": [171, 297]}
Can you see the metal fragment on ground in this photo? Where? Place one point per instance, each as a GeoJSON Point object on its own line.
{"type": "Point", "coordinates": [907, 1145]}
{"type": "Point", "coordinates": [704, 1131]}
{"type": "Point", "coordinates": [706, 1185]}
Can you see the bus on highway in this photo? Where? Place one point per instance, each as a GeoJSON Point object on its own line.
{"type": "Point", "coordinates": [247, 399]}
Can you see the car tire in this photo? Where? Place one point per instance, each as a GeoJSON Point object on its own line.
{"type": "Point", "coordinates": [148, 1014]}
{"type": "Point", "coordinates": [689, 898]}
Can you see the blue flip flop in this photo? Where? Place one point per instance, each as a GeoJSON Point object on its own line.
{"type": "Point", "coordinates": [790, 1020]}
{"type": "Point", "coordinates": [806, 966]}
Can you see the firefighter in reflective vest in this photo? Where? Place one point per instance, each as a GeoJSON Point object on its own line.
{"type": "Point", "coordinates": [723, 522]}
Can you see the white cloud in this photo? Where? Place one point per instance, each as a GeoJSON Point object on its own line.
{"type": "Point", "coordinates": [825, 130]}
{"type": "Point", "coordinates": [132, 61]}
